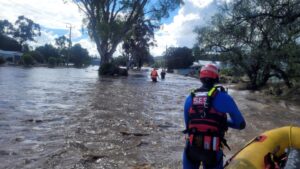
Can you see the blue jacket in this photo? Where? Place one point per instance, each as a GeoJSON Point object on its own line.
{"type": "Point", "coordinates": [222, 103]}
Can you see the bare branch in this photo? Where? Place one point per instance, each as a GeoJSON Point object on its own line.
{"type": "Point", "coordinates": [113, 10]}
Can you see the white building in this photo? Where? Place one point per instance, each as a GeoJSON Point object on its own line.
{"type": "Point", "coordinates": [11, 56]}
{"type": "Point", "coordinates": [201, 63]}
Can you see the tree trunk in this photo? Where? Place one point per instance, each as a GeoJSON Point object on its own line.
{"type": "Point", "coordinates": [105, 59]}
{"type": "Point", "coordinates": [263, 81]}
{"type": "Point", "coordinates": [264, 76]}
{"type": "Point", "coordinates": [140, 63]}
{"type": "Point", "coordinates": [253, 83]}
{"type": "Point", "coordinates": [283, 75]}
{"type": "Point", "coordinates": [100, 48]}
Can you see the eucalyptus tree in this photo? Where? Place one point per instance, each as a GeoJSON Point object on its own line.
{"type": "Point", "coordinates": [137, 44]}
{"type": "Point", "coordinates": [6, 28]}
{"type": "Point", "coordinates": [6, 41]}
{"type": "Point", "coordinates": [62, 42]}
{"type": "Point", "coordinates": [110, 21]}
{"type": "Point", "coordinates": [26, 30]}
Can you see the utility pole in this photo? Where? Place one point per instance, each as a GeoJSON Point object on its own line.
{"type": "Point", "coordinates": [70, 26]}
{"type": "Point", "coordinates": [165, 58]}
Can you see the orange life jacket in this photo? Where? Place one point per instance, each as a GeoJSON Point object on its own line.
{"type": "Point", "coordinates": [154, 74]}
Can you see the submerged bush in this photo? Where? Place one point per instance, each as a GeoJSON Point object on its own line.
{"type": "Point", "coordinates": [111, 69]}
{"type": "Point", "coordinates": [27, 59]}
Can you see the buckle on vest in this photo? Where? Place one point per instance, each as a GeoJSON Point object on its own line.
{"type": "Point", "coordinates": [203, 115]}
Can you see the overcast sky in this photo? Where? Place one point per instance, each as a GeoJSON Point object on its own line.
{"type": "Point", "coordinates": [54, 15]}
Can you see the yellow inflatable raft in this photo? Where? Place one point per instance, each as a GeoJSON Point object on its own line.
{"type": "Point", "coordinates": [273, 141]}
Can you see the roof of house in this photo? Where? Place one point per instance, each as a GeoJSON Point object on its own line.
{"type": "Point", "coordinates": [201, 63]}
{"type": "Point", "coordinates": [5, 53]}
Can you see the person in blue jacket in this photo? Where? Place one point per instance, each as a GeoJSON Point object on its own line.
{"type": "Point", "coordinates": [205, 115]}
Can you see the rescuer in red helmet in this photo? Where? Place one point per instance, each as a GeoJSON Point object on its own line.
{"type": "Point", "coordinates": [205, 115]}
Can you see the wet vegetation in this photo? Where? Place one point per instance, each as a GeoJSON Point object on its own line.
{"type": "Point", "coordinates": [259, 38]}
{"type": "Point", "coordinates": [15, 37]}
{"type": "Point", "coordinates": [178, 58]}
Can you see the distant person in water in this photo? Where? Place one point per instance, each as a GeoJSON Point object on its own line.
{"type": "Point", "coordinates": [163, 74]}
{"type": "Point", "coordinates": [205, 115]}
{"type": "Point", "coordinates": [154, 75]}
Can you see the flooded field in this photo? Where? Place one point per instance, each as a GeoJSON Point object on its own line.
{"type": "Point", "coordinates": [71, 118]}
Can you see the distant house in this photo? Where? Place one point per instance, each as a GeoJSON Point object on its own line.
{"type": "Point", "coordinates": [201, 63]}
{"type": "Point", "coordinates": [11, 56]}
{"type": "Point", "coordinates": [183, 71]}
{"type": "Point", "coordinates": [198, 64]}
{"type": "Point", "coordinates": [95, 61]}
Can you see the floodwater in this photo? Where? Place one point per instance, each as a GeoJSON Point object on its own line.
{"type": "Point", "coordinates": [71, 118]}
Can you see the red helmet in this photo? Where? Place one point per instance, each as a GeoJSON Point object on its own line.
{"type": "Point", "coordinates": [209, 71]}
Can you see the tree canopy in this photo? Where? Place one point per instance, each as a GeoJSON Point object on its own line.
{"type": "Point", "coordinates": [13, 37]}
{"type": "Point", "coordinates": [257, 37]}
{"type": "Point", "coordinates": [48, 51]}
{"type": "Point", "coordinates": [7, 43]}
{"type": "Point", "coordinates": [26, 30]}
{"type": "Point", "coordinates": [79, 56]}
{"type": "Point", "coordinates": [177, 58]}
{"type": "Point", "coordinates": [110, 21]}
{"type": "Point", "coordinates": [6, 28]}
{"type": "Point", "coordinates": [62, 42]}
{"type": "Point", "coordinates": [136, 45]}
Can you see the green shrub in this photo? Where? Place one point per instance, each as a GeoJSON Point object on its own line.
{"type": "Point", "coordinates": [37, 56]}
{"type": "Point", "coordinates": [107, 69]}
{"type": "Point", "coordinates": [52, 61]}
{"type": "Point", "coordinates": [226, 72]}
{"type": "Point", "coordinates": [27, 59]}
{"type": "Point", "coordinates": [111, 69]}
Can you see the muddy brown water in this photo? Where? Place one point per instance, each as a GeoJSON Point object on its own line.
{"type": "Point", "coordinates": [71, 118]}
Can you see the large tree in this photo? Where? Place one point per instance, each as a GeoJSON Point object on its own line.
{"type": "Point", "coordinates": [79, 56]}
{"type": "Point", "coordinates": [110, 21]}
{"type": "Point", "coordinates": [23, 30]}
{"type": "Point", "coordinates": [6, 42]}
{"type": "Point", "coordinates": [62, 42]}
{"type": "Point", "coordinates": [26, 30]}
{"type": "Point", "coordinates": [6, 28]}
{"type": "Point", "coordinates": [178, 58]}
{"type": "Point", "coordinates": [136, 45]}
{"type": "Point", "coordinates": [257, 37]}
{"type": "Point", "coordinates": [48, 51]}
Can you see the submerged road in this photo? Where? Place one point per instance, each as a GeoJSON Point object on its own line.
{"type": "Point", "coordinates": [71, 118]}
